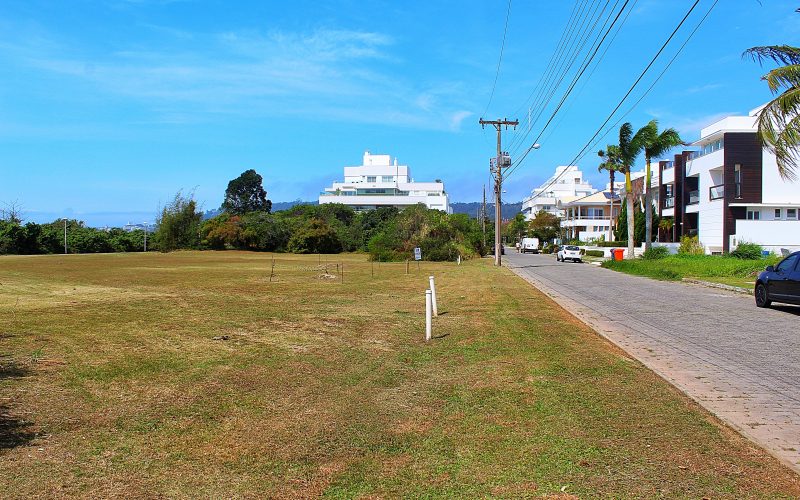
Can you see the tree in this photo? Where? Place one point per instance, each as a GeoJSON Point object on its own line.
{"type": "Point", "coordinates": [178, 224]}
{"type": "Point", "coordinates": [630, 145]}
{"type": "Point", "coordinates": [545, 226]}
{"type": "Point", "coordinates": [315, 236]}
{"type": "Point", "coordinates": [613, 164]}
{"type": "Point", "coordinates": [655, 145]}
{"type": "Point", "coordinates": [246, 194]}
{"type": "Point", "coordinates": [779, 121]}
{"type": "Point", "coordinates": [516, 227]}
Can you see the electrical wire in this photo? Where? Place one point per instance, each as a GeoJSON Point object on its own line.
{"type": "Point", "coordinates": [584, 149]}
{"type": "Point", "coordinates": [500, 59]}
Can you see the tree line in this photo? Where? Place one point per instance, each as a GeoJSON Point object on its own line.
{"type": "Point", "coordinates": [246, 222]}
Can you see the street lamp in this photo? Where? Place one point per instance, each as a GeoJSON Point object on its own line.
{"type": "Point", "coordinates": [145, 236]}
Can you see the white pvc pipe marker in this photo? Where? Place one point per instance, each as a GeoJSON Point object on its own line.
{"type": "Point", "coordinates": [428, 308]}
{"type": "Point", "coordinates": [433, 296]}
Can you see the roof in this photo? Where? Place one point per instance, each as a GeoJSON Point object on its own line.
{"type": "Point", "coordinates": [596, 198]}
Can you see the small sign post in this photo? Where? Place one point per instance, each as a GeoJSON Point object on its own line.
{"type": "Point", "coordinates": [417, 253]}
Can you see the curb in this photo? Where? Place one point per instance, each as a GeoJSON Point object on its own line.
{"type": "Point", "coordinates": [721, 286]}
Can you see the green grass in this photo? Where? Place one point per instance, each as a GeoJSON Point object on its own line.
{"type": "Point", "coordinates": [723, 269]}
{"type": "Point", "coordinates": [111, 384]}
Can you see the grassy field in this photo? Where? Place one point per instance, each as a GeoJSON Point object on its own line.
{"type": "Point", "coordinates": [716, 268]}
{"type": "Point", "coordinates": [196, 374]}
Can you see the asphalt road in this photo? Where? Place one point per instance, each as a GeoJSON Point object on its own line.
{"type": "Point", "coordinates": [740, 362]}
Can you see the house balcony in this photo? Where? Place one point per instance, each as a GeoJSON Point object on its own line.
{"type": "Point", "coordinates": [669, 202]}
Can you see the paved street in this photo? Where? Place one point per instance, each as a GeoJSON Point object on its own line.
{"type": "Point", "coordinates": [740, 362]}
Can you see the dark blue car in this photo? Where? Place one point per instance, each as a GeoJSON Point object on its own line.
{"type": "Point", "coordinates": [780, 283]}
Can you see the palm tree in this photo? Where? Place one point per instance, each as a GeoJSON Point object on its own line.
{"type": "Point", "coordinates": [629, 147]}
{"type": "Point", "coordinates": [779, 121]}
{"type": "Point", "coordinates": [613, 164]}
{"type": "Point", "coordinates": [655, 145]}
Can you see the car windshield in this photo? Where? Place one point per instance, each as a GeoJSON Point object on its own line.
{"type": "Point", "coordinates": [572, 248]}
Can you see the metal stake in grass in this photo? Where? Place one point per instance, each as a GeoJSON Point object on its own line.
{"type": "Point", "coordinates": [433, 296]}
{"type": "Point", "coordinates": [342, 273]}
{"type": "Point", "coordinates": [372, 268]}
{"type": "Point", "coordinates": [272, 270]}
{"type": "Point", "coordinates": [428, 307]}
{"type": "Point", "coordinates": [406, 266]}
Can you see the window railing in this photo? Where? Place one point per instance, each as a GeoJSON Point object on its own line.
{"type": "Point", "coordinates": [669, 202]}
{"type": "Point", "coordinates": [716, 192]}
{"type": "Point", "coordinates": [694, 197]}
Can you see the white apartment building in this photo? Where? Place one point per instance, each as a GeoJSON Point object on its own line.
{"type": "Point", "coordinates": [729, 191]}
{"type": "Point", "coordinates": [567, 183]}
{"type": "Point", "coordinates": [381, 182]}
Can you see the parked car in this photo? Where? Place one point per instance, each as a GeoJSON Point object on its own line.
{"type": "Point", "coordinates": [569, 252]}
{"type": "Point", "coordinates": [529, 245]}
{"type": "Point", "coordinates": [779, 283]}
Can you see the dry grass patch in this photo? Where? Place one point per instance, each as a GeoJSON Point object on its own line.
{"type": "Point", "coordinates": [192, 374]}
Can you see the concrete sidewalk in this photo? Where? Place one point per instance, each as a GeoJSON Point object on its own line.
{"type": "Point", "coordinates": [739, 362]}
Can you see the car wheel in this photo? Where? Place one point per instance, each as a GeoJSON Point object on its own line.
{"type": "Point", "coordinates": [762, 299]}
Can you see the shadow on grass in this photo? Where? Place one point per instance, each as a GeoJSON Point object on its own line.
{"type": "Point", "coordinates": [14, 431]}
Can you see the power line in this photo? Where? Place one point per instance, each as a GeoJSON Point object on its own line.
{"type": "Point", "coordinates": [646, 92]}
{"type": "Point", "coordinates": [583, 150]}
{"type": "Point", "coordinates": [550, 80]}
{"type": "Point", "coordinates": [573, 58]}
{"type": "Point", "coordinates": [500, 59]}
{"type": "Point", "coordinates": [628, 93]}
{"type": "Point", "coordinates": [571, 87]}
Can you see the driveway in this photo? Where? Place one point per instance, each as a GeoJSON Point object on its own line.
{"type": "Point", "coordinates": [739, 362]}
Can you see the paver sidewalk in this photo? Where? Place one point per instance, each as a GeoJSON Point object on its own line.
{"type": "Point", "coordinates": [739, 362]}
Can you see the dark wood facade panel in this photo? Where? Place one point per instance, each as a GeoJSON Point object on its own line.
{"type": "Point", "coordinates": [742, 148]}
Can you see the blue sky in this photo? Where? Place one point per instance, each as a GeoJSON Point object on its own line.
{"type": "Point", "coordinates": [108, 108]}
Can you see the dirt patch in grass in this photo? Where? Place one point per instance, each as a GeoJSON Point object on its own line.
{"type": "Point", "coordinates": [190, 374]}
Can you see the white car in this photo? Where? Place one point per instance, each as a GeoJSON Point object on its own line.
{"type": "Point", "coordinates": [569, 252]}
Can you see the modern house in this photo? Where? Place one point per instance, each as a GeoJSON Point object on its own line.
{"type": "Point", "coordinates": [566, 184]}
{"type": "Point", "coordinates": [729, 191]}
{"type": "Point", "coordinates": [381, 182]}
{"type": "Point", "coordinates": [587, 217]}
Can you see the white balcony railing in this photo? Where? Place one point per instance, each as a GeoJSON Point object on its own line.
{"type": "Point", "coordinates": [669, 202]}
{"type": "Point", "coordinates": [716, 192]}
{"type": "Point", "coordinates": [694, 197]}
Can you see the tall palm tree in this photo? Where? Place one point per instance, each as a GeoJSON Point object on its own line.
{"type": "Point", "coordinates": [779, 121]}
{"type": "Point", "coordinates": [655, 145]}
{"type": "Point", "coordinates": [630, 146]}
{"type": "Point", "coordinates": [612, 164]}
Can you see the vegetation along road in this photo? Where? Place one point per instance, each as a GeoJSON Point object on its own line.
{"type": "Point", "coordinates": [214, 374]}
{"type": "Point", "coordinates": [738, 361]}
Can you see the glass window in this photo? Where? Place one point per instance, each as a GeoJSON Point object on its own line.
{"type": "Point", "coordinates": [371, 178]}
{"type": "Point", "coordinates": [737, 179]}
{"type": "Point", "coordinates": [791, 213]}
{"type": "Point", "coordinates": [777, 213]}
{"type": "Point", "coordinates": [753, 215]}
{"type": "Point", "coordinates": [388, 178]}
{"type": "Point", "coordinates": [787, 264]}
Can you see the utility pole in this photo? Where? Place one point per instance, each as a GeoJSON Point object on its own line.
{"type": "Point", "coordinates": [501, 161]}
{"type": "Point", "coordinates": [65, 235]}
{"type": "Point", "coordinates": [483, 216]}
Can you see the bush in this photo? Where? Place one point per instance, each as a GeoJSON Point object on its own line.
{"type": "Point", "coordinates": [594, 253]}
{"type": "Point", "coordinates": [655, 253]}
{"type": "Point", "coordinates": [690, 245]}
{"type": "Point", "coordinates": [612, 244]}
{"type": "Point", "coordinates": [750, 251]}
{"type": "Point", "coordinates": [315, 236]}
{"type": "Point", "coordinates": [178, 225]}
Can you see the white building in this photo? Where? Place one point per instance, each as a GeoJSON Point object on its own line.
{"type": "Point", "coordinates": [729, 191]}
{"type": "Point", "coordinates": [381, 182]}
{"type": "Point", "coordinates": [587, 217]}
{"type": "Point", "coordinates": [566, 184]}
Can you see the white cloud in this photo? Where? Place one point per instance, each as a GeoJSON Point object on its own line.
{"type": "Point", "coordinates": [327, 74]}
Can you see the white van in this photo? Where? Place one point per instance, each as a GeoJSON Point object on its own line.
{"type": "Point", "coordinates": [529, 245]}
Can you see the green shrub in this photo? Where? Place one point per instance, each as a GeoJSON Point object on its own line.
{"type": "Point", "coordinates": [749, 251]}
{"type": "Point", "coordinates": [690, 245]}
{"type": "Point", "coordinates": [610, 244]}
{"type": "Point", "coordinates": [315, 236]}
{"type": "Point", "coordinates": [594, 253]}
{"type": "Point", "coordinates": [655, 253]}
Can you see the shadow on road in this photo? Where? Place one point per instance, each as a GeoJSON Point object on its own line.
{"type": "Point", "coordinates": [787, 308]}
{"type": "Point", "coordinates": [14, 431]}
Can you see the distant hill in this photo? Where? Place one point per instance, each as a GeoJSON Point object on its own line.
{"type": "Point", "coordinates": [472, 208]}
{"type": "Point", "coordinates": [277, 206]}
